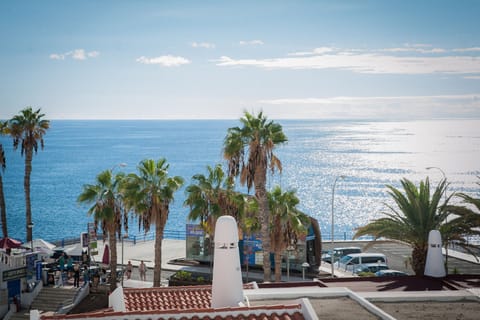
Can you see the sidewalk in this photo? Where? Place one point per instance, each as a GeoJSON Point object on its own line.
{"type": "Point", "coordinates": [171, 249]}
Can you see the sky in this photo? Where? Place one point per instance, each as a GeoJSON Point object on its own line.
{"type": "Point", "coordinates": [216, 59]}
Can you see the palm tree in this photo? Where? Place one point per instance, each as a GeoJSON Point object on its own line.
{"type": "Point", "coordinates": [149, 195]}
{"type": "Point", "coordinates": [249, 152]}
{"type": "Point", "coordinates": [106, 209]}
{"type": "Point", "coordinates": [3, 209]}
{"type": "Point", "coordinates": [417, 213]}
{"type": "Point", "coordinates": [288, 224]}
{"type": "Point", "coordinates": [27, 130]}
{"type": "Point", "coordinates": [212, 196]}
{"type": "Point", "coordinates": [466, 222]}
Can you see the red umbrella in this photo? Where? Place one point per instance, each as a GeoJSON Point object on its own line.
{"type": "Point", "coordinates": [9, 243]}
{"type": "Point", "coordinates": [106, 255]}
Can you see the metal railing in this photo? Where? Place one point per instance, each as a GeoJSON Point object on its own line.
{"type": "Point", "coordinates": [167, 234]}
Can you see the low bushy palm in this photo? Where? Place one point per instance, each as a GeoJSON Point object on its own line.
{"type": "Point", "coordinates": [417, 212]}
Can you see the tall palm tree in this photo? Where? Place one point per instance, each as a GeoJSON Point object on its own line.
{"type": "Point", "coordinates": [249, 152]}
{"type": "Point", "coordinates": [106, 201]}
{"type": "Point", "coordinates": [3, 209]}
{"type": "Point", "coordinates": [149, 195]}
{"type": "Point", "coordinates": [417, 212]}
{"type": "Point", "coordinates": [288, 224]}
{"type": "Point", "coordinates": [27, 130]}
{"type": "Point", "coordinates": [212, 196]}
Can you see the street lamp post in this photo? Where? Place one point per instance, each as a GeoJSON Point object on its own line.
{"type": "Point", "coordinates": [305, 265]}
{"type": "Point", "coordinates": [332, 257]}
{"type": "Point", "coordinates": [290, 248]}
{"type": "Point", "coordinates": [446, 218]}
{"type": "Point", "coordinates": [30, 226]}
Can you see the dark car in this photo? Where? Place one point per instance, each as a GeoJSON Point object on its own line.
{"type": "Point", "coordinates": [390, 273]}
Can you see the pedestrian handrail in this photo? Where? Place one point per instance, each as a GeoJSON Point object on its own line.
{"type": "Point", "coordinates": [167, 234]}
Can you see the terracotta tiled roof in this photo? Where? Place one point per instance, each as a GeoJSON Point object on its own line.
{"type": "Point", "coordinates": [169, 298]}
{"type": "Point", "coordinates": [185, 303]}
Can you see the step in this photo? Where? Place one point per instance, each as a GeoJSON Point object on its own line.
{"type": "Point", "coordinates": [51, 299]}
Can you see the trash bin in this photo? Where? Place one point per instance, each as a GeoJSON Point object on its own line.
{"type": "Point", "coordinates": [45, 276]}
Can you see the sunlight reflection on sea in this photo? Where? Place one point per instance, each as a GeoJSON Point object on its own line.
{"type": "Point", "coordinates": [370, 154]}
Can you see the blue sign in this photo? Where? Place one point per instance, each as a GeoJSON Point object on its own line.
{"type": "Point", "coordinates": [194, 230]}
{"type": "Point", "coordinates": [31, 265]}
{"type": "Point", "coordinates": [38, 269]}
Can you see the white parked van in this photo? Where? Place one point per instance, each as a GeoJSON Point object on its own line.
{"type": "Point", "coordinates": [351, 261]}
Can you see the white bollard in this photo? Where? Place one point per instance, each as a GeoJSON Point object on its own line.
{"type": "Point", "coordinates": [227, 287]}
{"type": "Point", "coordinates": [435, 265]}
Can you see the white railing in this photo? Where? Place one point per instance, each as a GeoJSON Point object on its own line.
{"type": "Point", "coordinates": [12, 261]}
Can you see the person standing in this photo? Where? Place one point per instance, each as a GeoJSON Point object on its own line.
{"type": "Point", "coordinates": [129, 269]}
{"type": "Point", "coordinates": [143, 271]}
{"type": "Point", "coordinates": [59, 278]}
{"type": "Point", "coordinates": [86, 275]}
{"type": "Point", "coordinates": [69, 266]}
{"type": "Point", "coordinates": [76, 275]}
{"type": "Point", "coordinates": [61, 262]}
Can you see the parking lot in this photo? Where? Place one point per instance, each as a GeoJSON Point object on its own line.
{"type": "Point", "coordinates": [398, 255]}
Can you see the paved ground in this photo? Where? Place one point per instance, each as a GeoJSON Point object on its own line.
{"type": "Point", "coordinates": [398, 256]}
{"type": "Point", "coordinates": [396, 253]}
{"type": "Point", "coordinates": [341, 308]}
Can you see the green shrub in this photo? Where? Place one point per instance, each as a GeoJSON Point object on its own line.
{"type": "Point", "coordinates": [183, 275]}
{"type": "Point", "coordinates": [366, 274]}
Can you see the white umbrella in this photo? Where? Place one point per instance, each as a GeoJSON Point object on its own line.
{"type": "Point", "coordinates": [75, 250]}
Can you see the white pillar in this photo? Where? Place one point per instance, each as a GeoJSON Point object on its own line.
{"type": "Point", "coordinates": [227, 287]}
{"type": "Point", "coordinates": [435, 266]}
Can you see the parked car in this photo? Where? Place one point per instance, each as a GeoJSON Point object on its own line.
{"type": "Point", "coordinates": [390, 273]}
{"type": "Point", "coordinates": [351, 261]}
{"type": "Point", "coordinates": [370, 267]}
{"type": "Point", "coordinates": [338, 253]}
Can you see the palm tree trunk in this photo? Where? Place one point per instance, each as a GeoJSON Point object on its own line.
{"type": "Point", "coordinates": [112, 240]}
{"type": "Point", "coordinates": [264, 215]}
{"type": "Point", "coordinates": [3, 210]}
{"type": "Point", "coordinates": [157, 270]}
{"type": "Point", "coordinates": [419, 256]}
{"type": "Point", "coordinates": [26, 186]}
{"type": "Point", "coordinates": [278, 266]}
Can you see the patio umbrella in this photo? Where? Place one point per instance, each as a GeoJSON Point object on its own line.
{"type": "Point", "coordinates": [9, 243]}
{"type": "Point", "coordinates": [40, 244]}
{"type": "Point", "coordinates": [106, 255]}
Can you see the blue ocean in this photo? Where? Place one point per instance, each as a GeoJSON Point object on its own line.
{"type": "Point", "coordinates": [370, 154]}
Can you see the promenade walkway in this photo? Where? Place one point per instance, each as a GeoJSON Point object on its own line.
{"type": "Point", "coordinates": [173, 249]}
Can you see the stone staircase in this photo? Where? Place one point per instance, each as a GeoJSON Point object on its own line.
{"type": "Point", "coordinates": [20, 315]}
{"type": "Point", "coordinates": [52, 299]}
{"type": "Point", "coordinates": [49, 299]}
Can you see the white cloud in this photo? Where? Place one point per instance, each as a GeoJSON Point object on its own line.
{"type": "Point", "coordinates": [361, 61]}
{"type": "Point", "coordinates": [414, 49]}
{"type": "Point", "coordinates": [166, 61]}
{"type": "Point", "coordinates": [373, 100]}
{"type": "Point", "coordinates": [316, 51]}
{"type": "Point", "coordinates": [251, 43]}
{"type": "Point", "coordinates": [393, 107]}
{"type": "Point", "coordinates": [56, 56]}
{"type": "Point", "coordinates": [77, 54]}
{"type": "Point", "coordinates": [206, 45]}
{"type": "Point", "coordinates": [473, 49]}
{"type": "Point", "coordinates": [93, 54]}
